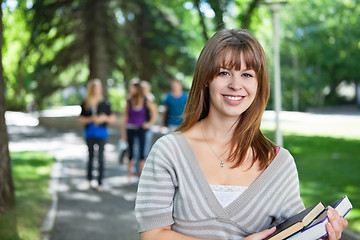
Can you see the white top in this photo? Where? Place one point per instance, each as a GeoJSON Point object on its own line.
{"type": "Point", "coordinates": [227, 194]}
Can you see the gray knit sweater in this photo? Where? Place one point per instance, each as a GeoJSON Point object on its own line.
{"type": "Point", "coordinates": [174, 191]}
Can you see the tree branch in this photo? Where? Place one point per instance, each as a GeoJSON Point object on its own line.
{"type": "Point", "coordinates": [245, 19]}
{"type": "Point", "coordinates": [202, 20]}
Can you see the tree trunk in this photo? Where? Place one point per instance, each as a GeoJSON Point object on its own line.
{"type": "Point", "coordinates": [218, 8]}
{"type": "Point", "coordinates": [245, 19]}
{"type": "Point", "coordinates": [202, 20]}
{"type": "Point", "coordinates": [143, 19]}
{"type": "Point", "coordinates": [98, 59]}
{"type": "Point", "coordinates": [7, 198]}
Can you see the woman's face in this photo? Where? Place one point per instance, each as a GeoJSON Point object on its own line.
{"type": "Point", "coordinates": [232, 91]}
{"type": "Point", "coordinates": [132, 89]}
{"type": "Point", "coordinates": [97, 89]}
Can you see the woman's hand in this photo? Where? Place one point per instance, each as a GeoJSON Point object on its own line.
{"type": "Point", "coordinates": [100, 119]}
{"type": "Point", "coordinates": [336, 224]}
{"type": "Point", "coordinates": [146, 125]}
{"type": "Point", "coordinates": [261, 235]}
{"type": "Point", "coordinates": [124, 135]}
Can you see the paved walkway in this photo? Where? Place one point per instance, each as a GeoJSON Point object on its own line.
{"type": "Point", "coordinates": [77, 212]}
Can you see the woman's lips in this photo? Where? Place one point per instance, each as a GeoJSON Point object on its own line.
{"type": "Point", "coordinates": [233, 100]}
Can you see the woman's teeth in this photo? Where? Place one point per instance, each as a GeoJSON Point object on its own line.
{"type": "Point", "coordinates": [233, 98]}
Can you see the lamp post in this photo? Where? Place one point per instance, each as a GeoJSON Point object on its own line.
{"type": "Point", "coordinates": [275, 7]}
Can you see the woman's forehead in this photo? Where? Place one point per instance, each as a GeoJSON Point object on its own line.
{"type": "Point", "coordinates": [235, 59]}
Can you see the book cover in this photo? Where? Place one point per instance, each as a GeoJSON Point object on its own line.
{"type": "Point", "coordinates": [317, 229]}
{"type": "Point", "coordinates": [296, 222]}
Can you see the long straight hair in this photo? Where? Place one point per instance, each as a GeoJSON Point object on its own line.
{"type": "Point", "coordinates": [93, 97]}
{"type": "Point", "coordinates": [138, 97]}
{"type": "Point", "coordinates": [225, 49]}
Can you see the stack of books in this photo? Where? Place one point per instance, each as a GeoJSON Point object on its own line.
{"type": "Point", "coordinates": [310, 224]}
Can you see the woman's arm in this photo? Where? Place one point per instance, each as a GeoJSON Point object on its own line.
{"type": "Point", "coordinates": [153, 114]}
{"type": "Point", "coordinates": [164, 115]}
{"type": "Point", "coordinates": [166, 233]}
{"type": "Point", "coordinates": [103, 118]}
{"type": "Point", "coordinates": [124, 122]}
{"type": "Point", "coordinates": [85, 119]}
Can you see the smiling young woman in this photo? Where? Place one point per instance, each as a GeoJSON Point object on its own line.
{"type": "Point", "coordinates": [240, 52]}
{"type": "Point", "coordinates": [218, 176]}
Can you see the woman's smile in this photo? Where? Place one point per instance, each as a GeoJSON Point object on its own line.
{"type": "Point", "coordinates": [233, 99]}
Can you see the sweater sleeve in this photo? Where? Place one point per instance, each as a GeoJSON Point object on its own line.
{"type": "Point", "coordinates": [156, 189]}
{"type": "Point", "coordinates": [293, 203]}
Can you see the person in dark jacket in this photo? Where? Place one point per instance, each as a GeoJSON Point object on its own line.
{"type": "Point", "coordinates": [95, 115]}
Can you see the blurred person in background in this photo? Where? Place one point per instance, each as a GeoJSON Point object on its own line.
{"type": "Point", "coordinates": [135, 123]}
{"type": "Point", "coordinates": [149, 133]}
{"type": "Point", "coordinates": [95, 115]}
{"type": "Point", "coordinates": [174, 104]}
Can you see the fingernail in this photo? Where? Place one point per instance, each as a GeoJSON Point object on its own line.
{"type": "Point", "coordinates": [329, 225]}
{"type": "Point", "coordinates": [330, 213]}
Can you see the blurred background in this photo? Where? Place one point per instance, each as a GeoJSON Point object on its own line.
{"type": "Point", "coordinates": [51, 48]}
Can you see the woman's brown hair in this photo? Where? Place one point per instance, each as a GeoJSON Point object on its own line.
{"type": "Point", "coordinates": [225, 49]}
{"type": "Point", "coordinates": [138, 97]}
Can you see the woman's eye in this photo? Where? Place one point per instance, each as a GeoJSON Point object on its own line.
{"type": "Point", "coordinates": [223, 73]}
{"type": "Point", "coordinates": [247, 75]}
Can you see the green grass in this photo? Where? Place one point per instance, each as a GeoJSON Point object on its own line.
{"type": "Point", "coordinates": [31, 173]}
{"type": "Point", "coordinates": [328, 169]}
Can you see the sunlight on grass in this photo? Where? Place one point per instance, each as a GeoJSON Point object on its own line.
{"type": "Point", "coordinates": [31, 173]}
{"type": "Point", "coordinates": [353, 219]}
{"type": "Point", "coordinates": [328, 169]}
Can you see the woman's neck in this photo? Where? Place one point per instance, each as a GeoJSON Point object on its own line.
{"type": "Point", "coordinates": [221, 129]}
{"type": "Point", "coordinates": [177, 94]}
{"type": "Point", "coordinates": [137, 101]}
{"type": "Point", "coordinates": [93, 101]}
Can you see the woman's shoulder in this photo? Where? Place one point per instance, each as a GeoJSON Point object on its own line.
{"type": "Point", "coordinates": [169, 139]}
{"type": "Point", "coordinates": [170, 143]}
{"type": "Point", "coordinates": [104, 102]}
{"type": "Point", "coordinates": [285, 152]}
{"type": "Point", "coordinates": [82, 105]}
{"type": "Point", "coordinates": [84, 109]}
{"type": "Point", "coordinates": [166, 149]}
{"type": "Point", "coordinates": [283, 157]}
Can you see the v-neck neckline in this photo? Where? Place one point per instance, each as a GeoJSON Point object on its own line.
{"type": "Point", "coordinates": [240, 202]}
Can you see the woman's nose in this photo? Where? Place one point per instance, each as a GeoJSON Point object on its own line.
{"type": "Point", "coordinates": [235, 82]}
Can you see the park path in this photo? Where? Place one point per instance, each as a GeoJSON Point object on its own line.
{"type": "Point", "coordinates": [78, 213]}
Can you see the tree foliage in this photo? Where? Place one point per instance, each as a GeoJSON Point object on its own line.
{"type": "Point", "coordinates": [107, 39]}
{"type": "Point", "coordinates": [50, 45]}
{"type": "Point", "coordinates": [320, 50]}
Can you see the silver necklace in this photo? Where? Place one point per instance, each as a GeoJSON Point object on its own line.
{"type": "Point", "coordinates": [202, 130]}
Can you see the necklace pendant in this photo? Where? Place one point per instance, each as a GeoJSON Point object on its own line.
{"type": "Point", "coordinates": [221, 164]}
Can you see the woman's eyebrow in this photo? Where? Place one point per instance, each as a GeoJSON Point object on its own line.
{"type": "Point", "coordinates": [228, 68]}
{"type": "Point", "coordinates": [223, 67]}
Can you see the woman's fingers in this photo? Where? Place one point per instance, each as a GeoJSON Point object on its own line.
{"type": "Point", "coordinates": [336, 224]}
